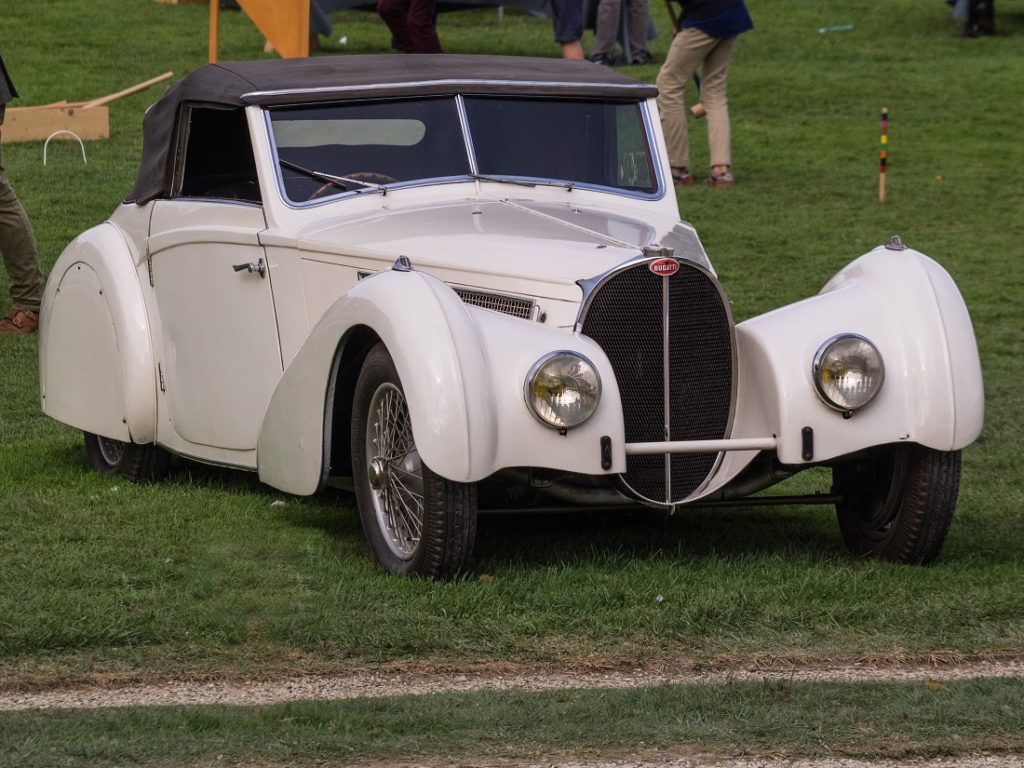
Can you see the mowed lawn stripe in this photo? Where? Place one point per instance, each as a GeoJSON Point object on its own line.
{"type": "Point", "coordinates": [779, 717]}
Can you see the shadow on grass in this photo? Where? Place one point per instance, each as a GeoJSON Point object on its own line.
{"type": "Point", "coordinates": [597, 536]}
{"type": "Point", "coordinates": [581, 537]}
{"type": "Point", "coordinates": [592, 537]}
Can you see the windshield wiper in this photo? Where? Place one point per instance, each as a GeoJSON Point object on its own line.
{"type": "Point", "coordinates": [341, 182]}
{"type": "Point", "coordinates": [522, 182]}
{"type": "Point", "coordinates": [501, 180]}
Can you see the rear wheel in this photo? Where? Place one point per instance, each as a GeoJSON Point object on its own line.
{"type": "Point", "coordinates": [897, 501]}
{"type": "Point", "coordinates": [417, 522]}
{"type": "Point", "coordinates": [144, 463]}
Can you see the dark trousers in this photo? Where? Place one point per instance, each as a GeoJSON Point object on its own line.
{"type": "Point", "coordinates": [412, 24]}
{"type": "Point", "coordinates": [18, 246]}
{"type": "Point", "coordinates": [981, 18]}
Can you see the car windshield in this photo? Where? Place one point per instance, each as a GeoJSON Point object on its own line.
{"type": "Point", "coordinates": [333, 149]}
{"type": "Point", "coordinates": [582, 142]}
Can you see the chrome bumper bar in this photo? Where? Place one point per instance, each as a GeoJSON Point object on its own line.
{"type": "Point", "coordinates": [702, 446]}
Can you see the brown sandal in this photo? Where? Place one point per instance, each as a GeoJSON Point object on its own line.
{"type": "Point", "coordinates": [681, 177]}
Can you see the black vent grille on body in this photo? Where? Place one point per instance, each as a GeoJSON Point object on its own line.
{"type": "Point", "coordinates": [627, 316]}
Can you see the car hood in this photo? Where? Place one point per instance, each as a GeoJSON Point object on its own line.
{"type": "Point", "coordinates": [529, 247]}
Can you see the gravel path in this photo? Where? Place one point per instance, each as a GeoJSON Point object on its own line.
{"type": "Point", "coordinates": [976, 761]}
{"type": "Point", "coordinates": [418, 679]}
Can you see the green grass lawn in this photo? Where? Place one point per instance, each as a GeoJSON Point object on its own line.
{"type": "Point", "coordinates": [210, 572]}
{"type": "Point", "coordinates": [827, 720]}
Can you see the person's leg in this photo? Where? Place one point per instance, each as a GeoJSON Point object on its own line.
{"type": "Point", "coordinates": [18, 248]}
{"type": "Point", "coordinates": [422, 29]}
{"type": "Point", "coordinates": [393, 12]}
{"type": "Point", "coordinates": [606, 30]}
{"type": "Point", "coordinates": [684, 56]}
{"type": "Point", "coordinates": [713, 96]}
{"type": "Point", "coordinates": [639, 22]}
{"type": "Point", "coordinates": [567, 20]}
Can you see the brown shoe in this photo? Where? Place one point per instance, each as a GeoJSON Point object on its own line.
{"type": "Point", "coordinates": [721, 179]}
{"type": "Point", "coordinates": [681, 177]}
{"type": "Point", "coordinates": [20, 321]}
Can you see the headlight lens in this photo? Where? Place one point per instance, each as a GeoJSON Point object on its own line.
{"type": "Point", "coordinates": [848, 372]}
{"type": "Point", "coordinates": [563, 389]}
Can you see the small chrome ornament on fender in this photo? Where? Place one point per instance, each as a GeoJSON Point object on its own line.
{"type": "Point", "coordinates": [895, 244]}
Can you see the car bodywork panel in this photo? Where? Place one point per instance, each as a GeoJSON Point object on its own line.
{"type": "Point", "coordinates": [463, 382]}
{"type": "Point", "coordinates": [97, 367]}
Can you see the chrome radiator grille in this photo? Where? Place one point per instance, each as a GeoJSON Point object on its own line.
{"type": "Point", "coordinates": [669, 340]}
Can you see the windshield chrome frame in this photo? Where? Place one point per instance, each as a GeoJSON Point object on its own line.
{"type": "Point", "coordinates": [467, 140]}
{"type": "Point", "coordinates": [467, 135]}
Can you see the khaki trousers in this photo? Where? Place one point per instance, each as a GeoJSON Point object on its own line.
{"type": "Point", "coordinates": [18, 248]}
{"type": "Point", "coordinates": [691, 49]}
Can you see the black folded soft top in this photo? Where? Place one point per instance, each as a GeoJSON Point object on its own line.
{"type": "Point", "coordinates": [281, 82]}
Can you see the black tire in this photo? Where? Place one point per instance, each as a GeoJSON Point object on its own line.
{"type": "Point", "coordinates": [416, 522]}
{"type": "Point", "coordinates": [142, 463]}
{"type": "Point", "coordinates": [897, 501]}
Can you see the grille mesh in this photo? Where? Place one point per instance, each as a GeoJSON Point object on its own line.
{"type": "Point", "coordinates": [626, 318]}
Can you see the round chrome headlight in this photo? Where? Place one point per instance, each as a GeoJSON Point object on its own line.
{"type": "Point", "coordinates": [848, 372]}
{"type": "Point", "coordinates": [563, 389]}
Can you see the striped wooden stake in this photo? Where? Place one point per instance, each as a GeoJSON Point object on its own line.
{"type": "Point", "coordinates": [883, 157]}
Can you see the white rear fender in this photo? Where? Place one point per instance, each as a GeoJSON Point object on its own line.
{"type": "Point", "coordinates": [463, 371]}
{"type": "Point", "coordinates": [96, 364]}
{"type": "Point", "coordinates": [910, 309]}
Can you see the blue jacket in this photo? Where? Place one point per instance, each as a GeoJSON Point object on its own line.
{"type": "Point", "coordinates": [716, 18]}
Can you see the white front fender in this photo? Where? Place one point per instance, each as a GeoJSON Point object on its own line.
{"type": "Point", "coordinates": [909, 307]}
{"type": "Point", "coordinates": [463, 371]}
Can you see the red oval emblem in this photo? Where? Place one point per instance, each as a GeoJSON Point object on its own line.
{"type": "Point", "coordinates": [664, 267]}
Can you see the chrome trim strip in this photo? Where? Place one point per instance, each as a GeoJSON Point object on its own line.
{"type": "Point", "coordinates": [572, 88]}
{"type": "Point", "coordinates": [702, 446]}
{"type": "Point", "coordinates": [467, 136]}
{"type": "Point", "coordinates": [666, 383]}
{"type": "Point", "coordinates": [660, 185]}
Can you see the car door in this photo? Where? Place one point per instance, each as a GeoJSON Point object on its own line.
{"type": "Point", "coordinates": [220, 356]}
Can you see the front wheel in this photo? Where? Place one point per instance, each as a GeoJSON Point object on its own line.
{"type": "Point", "coordinates": [897, 501]}
{"type": "Point", "coordinates": [417, 522]}
{"type": "Point", "coordinates": [143, 463]}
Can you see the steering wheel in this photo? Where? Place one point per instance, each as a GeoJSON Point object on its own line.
{"type": "Point", "coordinates": [370, 177]}
{"type": "Point", "coordinates": [324, 188]}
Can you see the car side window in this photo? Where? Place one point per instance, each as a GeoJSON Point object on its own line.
{"type": "Point", "coordinates": [218, 159]}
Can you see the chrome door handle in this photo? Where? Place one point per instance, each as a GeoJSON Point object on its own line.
{"type": "Point", "coordinates": [250, 267]}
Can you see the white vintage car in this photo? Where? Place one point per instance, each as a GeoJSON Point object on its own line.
{"type": "Point", "coordinates": [461, 283]}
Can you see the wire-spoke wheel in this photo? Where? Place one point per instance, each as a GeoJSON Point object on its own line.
{"type": "Point", "coordinates": [897, 501]}
{"type": "Point", "coordinates": [395, 472]}
{"type": "Point", "coordinates": [417, 523]}
{"type": "Point", "coordinates": [144, 463]}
